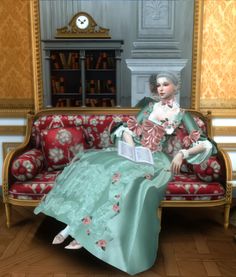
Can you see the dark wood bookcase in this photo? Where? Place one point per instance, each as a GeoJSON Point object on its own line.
{"type": "Point", "coordinates": [82, 72]}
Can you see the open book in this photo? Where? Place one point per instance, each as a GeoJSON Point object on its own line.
{"type": "Point", "coordinates": [138, 154]}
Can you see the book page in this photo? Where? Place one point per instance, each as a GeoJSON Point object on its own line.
{"type": "Point", "coordinates": [143, 155]}
{"type": "Point", "coordinates": [126, 150]}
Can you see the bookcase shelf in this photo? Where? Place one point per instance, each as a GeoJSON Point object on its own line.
{"type": "Point", "coordinates": [82, 72]}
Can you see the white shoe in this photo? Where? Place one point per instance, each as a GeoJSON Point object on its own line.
{"type": "Point", "coordinates": [59, 238]}
{"type": "Point", "coordinates": [74, 245]}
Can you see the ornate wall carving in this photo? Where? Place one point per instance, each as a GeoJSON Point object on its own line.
{"type": "Point", "coordinates": [218, 65]}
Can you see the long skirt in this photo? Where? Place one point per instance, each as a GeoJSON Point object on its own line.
{"type": "Point", "coordinates": [110, 204]}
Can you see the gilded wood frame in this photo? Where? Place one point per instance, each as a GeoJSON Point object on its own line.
{"type": "Point", "coordinates": [20, 107]}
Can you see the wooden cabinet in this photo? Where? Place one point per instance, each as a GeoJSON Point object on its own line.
{"type": "Point", "coordinates": [82, 72]}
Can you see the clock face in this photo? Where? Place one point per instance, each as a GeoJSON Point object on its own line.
{"type": "Point", "coordinates": [82, 22]}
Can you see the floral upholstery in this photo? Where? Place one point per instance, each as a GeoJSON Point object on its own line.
{"type": "Point", "coordinates": [197, 182]}
{"type": "Point", "coordinates": [208, 170]}
{"type": "Point", "coordinates": [27, 165]}
{"type": "Point", "coordinates": [60, 145]}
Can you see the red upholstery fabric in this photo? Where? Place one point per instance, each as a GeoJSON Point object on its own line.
{"type": "Point", "coordinates": [96, 127]}
{"type": "Point", "coordinates": [189, 187]}
{"type": "Point", "coordinates": [201, 185]}
{"type": "Point", "coordinates": [60, 145]}
{"type": "Point", "coordinates": [27, 165]}
{"type": "Point", "coordinates": [182, 187]}
{"type": "Point", "coordinates": [36, 188]}
{"type": "Point", "coordinates": [208, 170]}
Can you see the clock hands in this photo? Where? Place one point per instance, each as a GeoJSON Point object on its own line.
{"type": "Point", "coordinates": [82, 22]}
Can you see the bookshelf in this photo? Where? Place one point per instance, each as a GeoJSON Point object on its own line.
{"type": "Point", "coordinates": [82, 72]}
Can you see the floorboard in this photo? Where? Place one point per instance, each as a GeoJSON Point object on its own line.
{"type": "Point", "coordinates": [193, 243]}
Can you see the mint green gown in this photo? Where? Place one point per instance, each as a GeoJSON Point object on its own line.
{"type": "Point", "coordinates": [110, 204]}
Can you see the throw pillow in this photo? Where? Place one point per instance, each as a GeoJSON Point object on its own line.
{"type": "Point", "coordinates": [60, 145]}
{"type": "Point", "coordinates": [27, 165]}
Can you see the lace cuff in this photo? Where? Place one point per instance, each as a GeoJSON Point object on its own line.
{"type": "Point", "coordinates": [200, 157]}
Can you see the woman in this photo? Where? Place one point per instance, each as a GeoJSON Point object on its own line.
{"type": "Point", "coordinates": [108, 202]}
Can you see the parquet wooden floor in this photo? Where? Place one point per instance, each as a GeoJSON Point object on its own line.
{"type": "Point", "coordinates": [192, 244]}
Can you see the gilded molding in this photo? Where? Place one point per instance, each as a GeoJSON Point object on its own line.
{"type": "Point", "coordinates": [227, 146]}
{"type": "Point", "coordinates": [12, 130]}
{"type": "Point", "coordinates": [197, 53]}
{"type": "Point", "coordinates": [36, 54]}
{"type": "Point", "coordinates": [224, 130]}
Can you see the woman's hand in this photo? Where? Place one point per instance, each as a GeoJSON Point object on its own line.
{"type": "Point", "coordinates": [176, 163]}
{"type": "Point", "coordinates": [128, 138]}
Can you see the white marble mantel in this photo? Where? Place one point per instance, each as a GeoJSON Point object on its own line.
{"type": "Point", "coordinates": [141, 69]}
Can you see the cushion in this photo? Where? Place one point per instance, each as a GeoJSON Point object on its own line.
{"type": "Point", "coordinates": [190, 187]}
{"type": "Point", "coordinates": [35, 188]}
{"type": "Point", "coordinates": [60, 145]}
{"type": "Point", "coordinates": [27, 165]}
{"type": "Point", "coordinates": [208, 170]}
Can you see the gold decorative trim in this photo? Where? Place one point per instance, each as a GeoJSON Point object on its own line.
{"type": "Point", "coordinates": [227, 146]}
{"type": "Point", "coordinates": [12, 130]}
{"type": "Point", "coordinates": [8, 146]}
{"type": "Point", "coordinates": [16, 104]}
{"type": "Point", "coordinates": [197, 53]}
{"type": "Point", "coordinates": [14, 113]}
{"type": "Point", "coordinates": [222, 113]}
{"type": "Point", "coordinates": [36, 54]}
{"type": "Point", "coordinates": [224, 131]}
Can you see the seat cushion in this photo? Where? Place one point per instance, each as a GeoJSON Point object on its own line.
{"type": "Point", "coordinates": [190, 187]}
{"type": "Point", "coordinates": [34, 189]}
{"type": "Point", "coordinates": [182, 187]}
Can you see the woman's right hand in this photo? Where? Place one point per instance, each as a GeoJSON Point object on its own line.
{"type": "Point", "coordinates": [176, 163]}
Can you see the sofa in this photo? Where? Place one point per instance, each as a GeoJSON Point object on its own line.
{"type": "Point", "coordinates": [53, 137]}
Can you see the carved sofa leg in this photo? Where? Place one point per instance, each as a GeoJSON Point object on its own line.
{"type": "Point", "coordinates": [8, 214]}
{"type": "Point", "coordinates": [226, 216]}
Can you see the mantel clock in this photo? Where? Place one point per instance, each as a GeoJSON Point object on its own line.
{"type": "Point", "coordinates": [82, 25]}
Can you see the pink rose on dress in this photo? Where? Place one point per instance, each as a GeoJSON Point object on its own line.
{"type": "Point", "coordinates": [116, 208]}
{"type": "Point", "coordinates": [134, 126]}
{"type": "Point", "coordinates": [102, 243]}
{"type": "Point", "coordinates": [116, 177]}
{"type": "Point", "coordinates": [148, 176]}
{"type": "Point", "coordinates": [88, 232]}
{"type": "Point", "coordinates": [87, 220]}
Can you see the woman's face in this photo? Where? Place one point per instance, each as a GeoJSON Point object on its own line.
{"type": "Point", "coordinates": [165, 88]}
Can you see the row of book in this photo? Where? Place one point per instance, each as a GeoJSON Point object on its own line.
{"type": "Point", "coordinates": [91, 86]}
{"type": "Point", "coordinates": [89, 102]}
{"type": "Point", "coordinates": [71, 60]}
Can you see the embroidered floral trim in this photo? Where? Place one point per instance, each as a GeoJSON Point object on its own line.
{"type": "Point", "coordinates": [88, 232]}
{"type": "Point", "coordinates": [116, 207]}
{"type": "Point", "coordinates": [102, 244]}
{"type": "Point", "coordinates": [148, 176]}
{"type": "Point", "coordinates": [87, 220]}
{"type": "Point", "coordinates": [116, 177]}
{"type": "Point", "coordinates": [193, 137]}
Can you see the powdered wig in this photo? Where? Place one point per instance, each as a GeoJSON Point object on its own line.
{"type": "Point", "coordinates": [171, 76]}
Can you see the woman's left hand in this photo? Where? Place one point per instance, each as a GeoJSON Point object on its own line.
{"type": "Point", "coordinates": [176, 163]}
